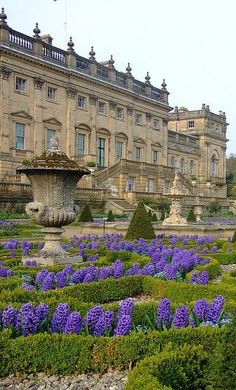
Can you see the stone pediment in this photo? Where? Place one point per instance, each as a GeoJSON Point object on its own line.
{"type": "Point", "coordinates": [157, 144]}
{"type": "Point", "coordinates": [120, 134]}
{"type": "Point", "coordinates": [82, 126]}
{"type": "Point", "coordinates": [52, 121]}
{"type": "Point", "coordinates": [139, 140]}
{"type": "Point", "coordinates": [22, 114]}
{"type": "Point", "coordinates": [103, 131]}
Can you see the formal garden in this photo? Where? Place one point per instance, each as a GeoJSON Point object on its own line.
{"type": "Point", "coordinates": [160, 309]}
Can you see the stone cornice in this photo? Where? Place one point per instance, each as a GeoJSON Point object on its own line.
{"type": "Point", "coordinates": [69, 72]}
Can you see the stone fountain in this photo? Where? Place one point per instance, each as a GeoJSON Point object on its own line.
{"type": "Point", "coordinates": [53, 177]}
{"type": "Point", "coordinates": [175, 217]}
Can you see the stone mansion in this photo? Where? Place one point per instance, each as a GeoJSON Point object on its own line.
{"type": "Point", "coordinates": [126, 127]}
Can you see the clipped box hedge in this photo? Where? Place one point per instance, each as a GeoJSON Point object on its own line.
{"type": "Point", "coordinates": [67, 354]}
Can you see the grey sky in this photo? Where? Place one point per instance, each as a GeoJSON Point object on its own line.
{"type": "Point", "coordinates": [190, 43]}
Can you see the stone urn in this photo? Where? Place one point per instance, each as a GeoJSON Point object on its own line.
{"type": "Point", "coordinates": [53, 177]}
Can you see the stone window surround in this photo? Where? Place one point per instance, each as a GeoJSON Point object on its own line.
{"type": "Point", "coordinates": [101, 108]}
{"type": "Point", "coordinates": [55, 94]}
{"type": "Point", "coordinates": [138, 119]}
{"type": "Point", "coordinates": [18, 79]}
{"type": "Point", "coordinates": [191, 124]}
{"type": "Point", "coordinates": [119, 113]}
{"type": "Point", "coordinates": [84, 99]}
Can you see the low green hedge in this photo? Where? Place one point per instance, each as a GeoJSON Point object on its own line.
{"type": "Point", "coordinates": [181, 369]}
{"type": "Point", "coordinates": [225, 258]}
{"type": "Point", "coordinates": [67, 354]}
{"type": "Point", "coordinates": [182, 292]}
{"type": "Point", "coordinates": [98, 292]}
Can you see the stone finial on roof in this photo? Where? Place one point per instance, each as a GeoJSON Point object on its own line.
{"type": "Point", "coordinates": [70, 45]}
{"type": "Point", "coordinates": [111, 62]}
{"type": "Point", "coordinates": [128, 69]}
{"type": "Point", "coordinates": [92, 54]}
{"type": "Point", "coordinates": [36, 31]}
{"type": "Point", "coordinates": [147, 78]}
{"type": "Point", "coordinates": [164, 85]}
{"type": "Point", "coordinates": [3, 17]}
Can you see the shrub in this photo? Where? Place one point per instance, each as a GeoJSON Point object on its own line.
{"type": "Point", "coordinates": [181, 369]}
{"type": "Point", "coordinates": [154, 217]}
{"type": "Point", "coordinates": [191, 216]}
{"type": "Point", "coordinates": [86, 215]}
{"type": "Point", "coordinates": [234, 237]}
{"type": "Point", "coordinates": [110, 217]}
{"type": "Point", "coordinates": [140, 225]}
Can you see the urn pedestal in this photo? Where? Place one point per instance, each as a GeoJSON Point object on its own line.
{"type": "Point", "coordinates": [53, 177]}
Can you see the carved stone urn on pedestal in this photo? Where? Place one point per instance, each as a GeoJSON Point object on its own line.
{"type": "Point", "coordinates": [53, 177]}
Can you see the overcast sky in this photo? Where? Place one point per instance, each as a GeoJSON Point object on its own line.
{"type": "Point", "coordinates": [190, 43]}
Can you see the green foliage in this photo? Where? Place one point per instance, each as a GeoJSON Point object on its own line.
{"type": "Point", "coordinates": [214, 207]}
{"type": "Point", "coordinates": [160, 203]}
{"type": "Point", "coordinates": [162, 215]}
{"type": "Point", "coordinates": [234, 237]}
{"type": "Point", "coordinates": [154, 217]}
{"type": "Point", "coordinates": [223, 362]}
{"type": "Point", "coordinates": [140, 225]}
{"type": "Point", "coordinates": [86, 215]}
{"type": "Point", "coordinates": [180, 369]}
{"type": "Point", "coordinates": [191, 216]}
{"type": "Point", "coordinates": [110, 217]}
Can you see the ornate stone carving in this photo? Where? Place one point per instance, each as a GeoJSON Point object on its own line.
{"type": "Point", "coordinates": [53, 178]}
{"type": "Point", "coordinates": [38, 82]}
{"type": "Point", "coordinates": [93, 99]}
{"type": "Point", "coordinates": [112, 105]}
{"type": "Point", "coordinates": [5, 72]}
{"type": "Point", "coordinates": [130, 111]}
{"type": "Point", "coordinates": [149, 116]}
{"type": "Point", "coordinates": [71, 91]}
{"type": "Point", "coordinates": [175, 217]}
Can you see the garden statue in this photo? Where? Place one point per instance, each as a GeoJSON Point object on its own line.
{"type": "Point", "coordinates": [53, 177]}
{"type": "Point", "coordinates": [175, 217]}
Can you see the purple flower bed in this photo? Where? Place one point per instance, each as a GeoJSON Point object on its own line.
{"type": "Point", "coordinates": [30, 319]}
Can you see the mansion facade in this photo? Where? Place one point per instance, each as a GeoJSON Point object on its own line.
{"type": "Point", "coordinates": [103, 117]}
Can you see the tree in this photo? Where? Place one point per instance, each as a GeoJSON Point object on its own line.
{"type": "Point", "coordinates": [154, 217]}
{"type": "Point", "coordinates": [191, 216]}
{"type": "Point", "coordinates": [86, 215]}
{"type": "Point", "coordinates": [140, 225]}
{"type": "Point", "coordinates": [110, 217]}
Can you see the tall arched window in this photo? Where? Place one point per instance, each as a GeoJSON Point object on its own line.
{"type": "Point", "coordinates": [172, 161]}
{"type": "Point", "coordinates": [191, 167]}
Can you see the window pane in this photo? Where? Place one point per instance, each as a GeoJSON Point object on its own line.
{"type": "Point", "coordinates": [101, 152]}
{"type": "Point", "coordinates": [20, 136]}
{"type": "Point", "coordinates": [50, 134]}
{"type": "Point", "coordinates": [80, 145]}
{"type": "Point", "coordinates": [119, 150]}
{"type": "Point", "coordinates": [20, 84]}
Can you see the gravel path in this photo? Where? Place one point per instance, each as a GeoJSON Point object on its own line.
{"type": "Point", "coordinates": [109, 381]}
{"type": "Point", "coordinates": [225, 268]}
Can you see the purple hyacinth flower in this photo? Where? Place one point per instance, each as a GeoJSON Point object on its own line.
{"type": "Point", "coordinates": [29, 323]}
{"type": "Point", "coordinates": [93, 316]}
{"type": "Point", "coordinates": [215, 309]}
{"type": "Point", "coordinates": [181, 317]}
{"type": "Point", "coordinates": [42, 311]}
{"type": "Point", "coordinates": [9, 317]}
{"type": "Point", "coordinates": [41, 275]}
{"type": "Point", "coordinates": [123, 325]}
{"type": "Point", "coordinates": [200, 308]}
{"type": "Point", "coordinates": [61, 279]}
{"type": "Point", "coordinates": [126, 307]}
{"type": "Point", "coordinates": [163, 313]}
{"type": "Point", "coordinates": [59, 318]}
{"type": "Point", "coordinates": [48, 282]}
{"type": "Point", "coordinates": [74, 323]}
{"type": "Point", "coordinates": [88, 278]}
{"type": "Point", "coordinates": [203, 278]}
{"type": "Point", "coordinates": [27, 286]}
{"type": "Point", "coordinates": [194, 277]}
{"type": "Point", "coordinates": [104, 323]}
